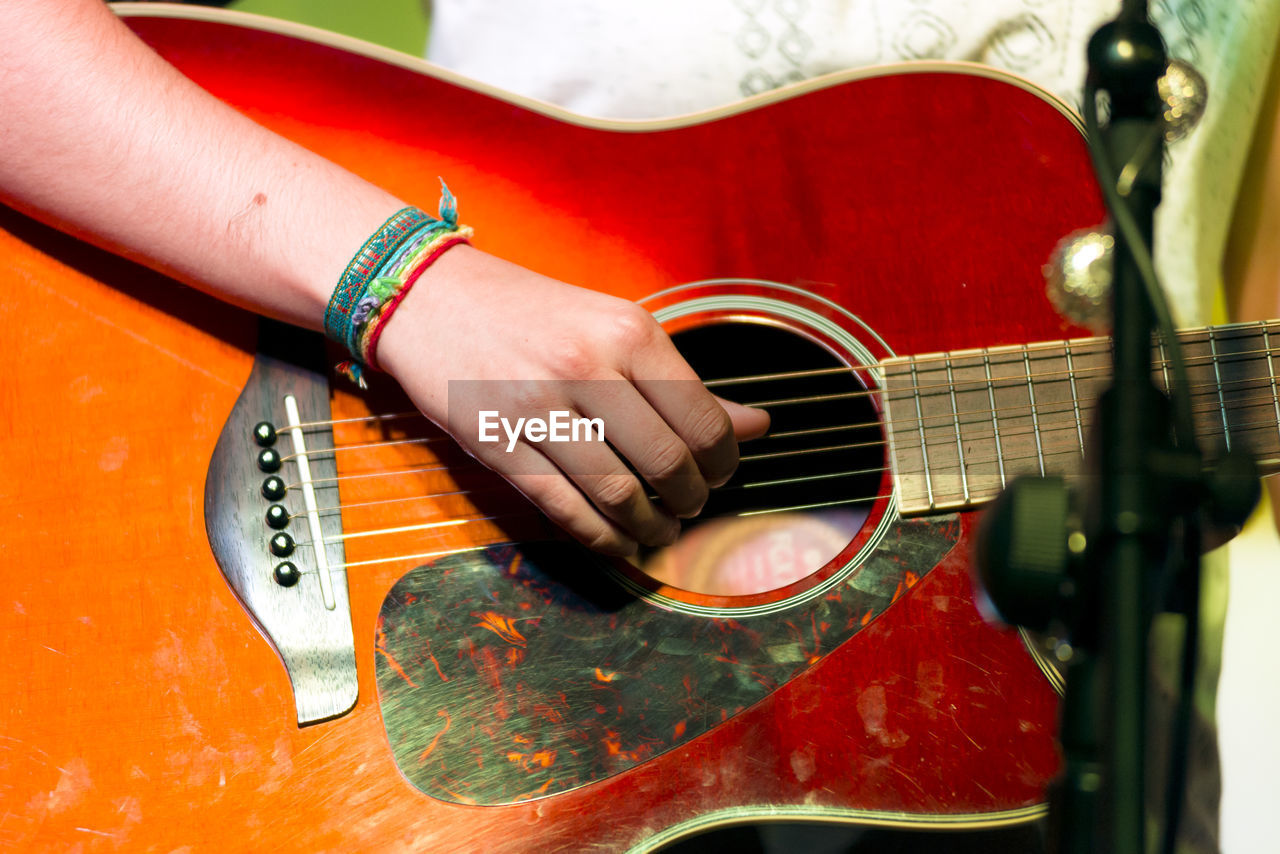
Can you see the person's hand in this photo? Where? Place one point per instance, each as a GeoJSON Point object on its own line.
{"type": "Point", "coordinates": [529, 345]}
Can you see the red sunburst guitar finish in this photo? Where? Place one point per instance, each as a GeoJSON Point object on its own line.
{"type": "Point", "coordinates": [142, 709]}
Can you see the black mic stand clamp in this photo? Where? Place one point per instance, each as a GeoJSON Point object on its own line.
{"type": "Point", "coordinates": [1096, 564]}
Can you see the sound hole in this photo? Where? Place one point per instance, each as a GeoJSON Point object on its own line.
{"type": "Point", "coordinates": [802, 492]}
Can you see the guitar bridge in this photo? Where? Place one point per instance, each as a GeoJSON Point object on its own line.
{"type": "Point", "coordinates": [265, 500]}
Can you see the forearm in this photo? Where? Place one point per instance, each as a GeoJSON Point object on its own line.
{"type": "Point", "coordinates": [103, 138]}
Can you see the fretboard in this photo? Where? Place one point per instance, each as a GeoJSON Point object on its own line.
{"type": "Point", "coordinates": [963, 424]}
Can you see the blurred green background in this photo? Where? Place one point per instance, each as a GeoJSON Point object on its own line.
{"type": "Point", "coordinates": [399, 24]}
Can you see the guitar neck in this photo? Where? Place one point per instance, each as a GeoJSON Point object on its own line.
{"type": "Point", "coordinates": [963, 424]}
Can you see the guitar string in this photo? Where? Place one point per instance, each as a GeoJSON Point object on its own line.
{"type": "Point", "coordinates": [1013, 383]}
{"type": "Point", "coordinates": [529, 513]}
{"type": "Point", "coordinates": [343, 567]}
{"type": "Point", "coordinates": [946, 442]}
{"type": "Point", "coordinates": [1072, 451]}
{"type": "Point", "coordinates": [338, 567]}
{"type": "Point", "coordinates": [532, 514]}
{"type": "Point", "coordinates": [427, 526]}
{"type": "Point", "coordinates": [1014, 357]}
{"type": "Point", "coordinates": [500, 485]}
{"type": "Point", "coordinates": [941, 419]}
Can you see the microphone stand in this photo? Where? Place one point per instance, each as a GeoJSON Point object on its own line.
{"type": "Point", "coordinates": [1130, 532]}
{"type": "Point", "coordinates": [1105, 580]}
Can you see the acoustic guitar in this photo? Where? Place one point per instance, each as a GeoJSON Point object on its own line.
{"type": "Point", "coordinates": [248, 608]}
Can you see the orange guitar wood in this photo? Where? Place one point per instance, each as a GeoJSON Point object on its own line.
{"type": "Point", "coordinates": [142, 709]}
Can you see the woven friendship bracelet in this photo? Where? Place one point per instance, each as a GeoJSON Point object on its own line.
{"type": "Point", "coordinates": [355, 278]}
{"type": "Point", "coordinates": [373, 290]}
{"type": "Point", "coordinates": [373, 329]}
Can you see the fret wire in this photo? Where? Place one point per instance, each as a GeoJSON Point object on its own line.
{"type": "Point", "coordinates": [924, 449]}
{"type": "Point", "coordinates": [1105, 371]}
{"type": "Point", "coordinates": [1267, 423]}
{"type": "Point", "coordinates": [1075, 397]}
{"type": "Point", "coordinates": [1035, 419]}
{"type": "Point", "coordinates": [1105, 345]}
{"type": "Point", "coordinates": [1275, 397]}
{"type": "Point", "coordinates": [1164, 364]}
{"type": "Point", "coordinates": [955, 413]}
{"type": "Point", "coordinates": [995, 423]}
{"type": "Point", "coordinates": [939, 389]}
{"type": "Point", "coordinates": [1011, 412]}
{"type": "Point", "coordinates": [1217, 374]}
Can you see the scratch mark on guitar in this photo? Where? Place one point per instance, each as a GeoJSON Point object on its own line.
{"type": "Point", "coordinates": [141, 339]}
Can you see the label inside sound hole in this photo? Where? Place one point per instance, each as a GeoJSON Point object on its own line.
{"type": "Point", "coordinates": [803, 491]}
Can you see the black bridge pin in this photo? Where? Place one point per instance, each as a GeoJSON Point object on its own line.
{"type": "Point", "coordinates": [264, 434]}
{"type": "Point", "coordinates": [269, 460]}
{"type": "Point", "coordinates": [273, 488]}
{"type": "Point", "coordinates": [282, 545]}
{"type": "Point", "coordinates": [277, 516]}
{"type": "Point", "coordinates": [286, 574]}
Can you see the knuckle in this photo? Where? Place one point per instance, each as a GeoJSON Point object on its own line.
{"type": "Point", "coordinates": [527, 396]}
{"type": "Point", "coordinates": [603, 539]}
{"type": "Point", "coordinates": [666, 460]}
{"type": "Point", "coordinates": [560, 503]}
{"type": "Point", "coordinates": [708, 427]}
{"type": "Point", "coordinates": [615, 492]}
{"type": "Point", "coordinates": [634, 328]}
{"type": "Point", "coordinates": [572, 359]}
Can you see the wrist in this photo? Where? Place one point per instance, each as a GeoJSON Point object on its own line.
{"type": "Point", "coordinates": [400, 344]}
{"type": "Point", "coordinates": [382, 273]}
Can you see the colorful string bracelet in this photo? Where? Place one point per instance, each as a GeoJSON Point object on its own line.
{"type": "Point", "coordinates": [382, 273]}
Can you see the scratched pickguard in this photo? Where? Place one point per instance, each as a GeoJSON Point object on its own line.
{"type": "Point", "coordinates": [515, 673]}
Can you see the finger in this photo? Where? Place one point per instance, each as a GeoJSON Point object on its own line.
{"type": "Point", "coordinates": [617, 493]}
{"type": "Point", "coordinates": [682, 400]}
{"type": "Point", "coordinates": [540, 481]}
{"type": "Point", "coordinates": [641, 435]}
{"type": "Point", "coordinates": [699, 420]}
{"type": "Point", "coordinates": [748, 422]}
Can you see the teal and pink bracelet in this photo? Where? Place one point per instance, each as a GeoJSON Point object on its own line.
{"type": "Point", "coordinates": [381, 274]}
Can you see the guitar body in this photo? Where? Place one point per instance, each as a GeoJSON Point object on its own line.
{"type": "Point", "coordinates": [144, 711]}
